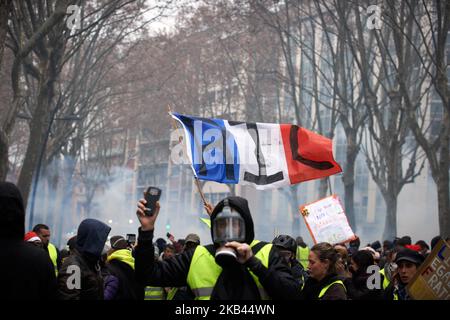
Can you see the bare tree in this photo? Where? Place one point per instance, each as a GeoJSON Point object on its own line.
{"type": "Point", "coordinates": [46, 63]}
{"type": "Point", "coordinates": [386, 147]}
{"type": "Point", "coordinates": [30, 32]}
{"type": "Point", "coordinates": [319, 86]}
{"type": "Point", "coordinates": [426, 40]}
{"type": "Point", "coordinates": [5, 10]}
{"type": "Point", "coordinates": [351, 111]}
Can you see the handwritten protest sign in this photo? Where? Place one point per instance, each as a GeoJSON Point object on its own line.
{"type": "Point", "coordinates": [326, 221]}
{"type": "Point", "coordinates": [432, 280]}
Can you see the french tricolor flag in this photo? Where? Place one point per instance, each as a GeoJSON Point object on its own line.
{"type": "Point", "coordinates": [263, 155]}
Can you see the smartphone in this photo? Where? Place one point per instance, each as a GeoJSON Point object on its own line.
{"type": "Point", "coordinates": [168, 235]}
{"type": "Point", "coordinates": [152, 195]}
{"type": "Point", "coordinates": [131, 238]}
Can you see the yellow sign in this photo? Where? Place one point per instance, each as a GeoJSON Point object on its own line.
{"type": "Point", "coordinates": [432, 281]}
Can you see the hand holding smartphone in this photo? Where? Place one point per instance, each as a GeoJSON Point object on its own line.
{"type": "Point", "coordinates": [131, 238]}
{"type": "Point", "coordinates": [152, 195]}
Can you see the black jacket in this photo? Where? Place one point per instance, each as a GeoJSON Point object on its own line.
{"type": "Point", "coordinates": [91, 238]}
{"type": "Point", "coordinates": [128, 289]}
{"type": "Point", "coordinates": [357, 287]}
{"type": "Point", "coordinates": [396, 288]}
{"type": "Point", "coordinates": [91, 285]}
{"type": "Point", "coordinates": [27, 272]}
{"type": "Point", "coordinates": [298, 272]}
{"type": "Point", "coordinates": [235, 283]}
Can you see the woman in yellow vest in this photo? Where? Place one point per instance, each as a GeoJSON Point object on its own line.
{"type": "Point", "coordinates": [323, 282]}
{"type": "Point", "coordinates": [235, 267]}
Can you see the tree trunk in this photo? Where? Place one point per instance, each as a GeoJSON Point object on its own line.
{"type": "Point", "coordinates": [442, 181]}
{"type": "Point", "coordinates": [89, 201]}
{"type": "Point", "coordinates": [349, 197]}
{"type": "Point", "coordinates": [348, 178]}
{"type": "Point", "coordinates": [35, 145]}
{"type": "Point", "coordinates": [54, 174]}
{"type": "Point", "coordinates": [63, 212]}
{"type": "Point", "coordinates": [296, 225]}
{"type": "Point", "coordinates": [3, 155]}
{"type": "Point", "coordinates": [390, 227]}
{"type": "Point", "coordinates": [50, 68]}
{"type": "Point", "coordinates": [444, 205]}
{"type": "Point", "coordinates": [5, 8]}
{"type": "Point", "coordinates": [323, 188]}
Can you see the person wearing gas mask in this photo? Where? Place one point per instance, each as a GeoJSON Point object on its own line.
{"type": "Point", "coordinates": [235, 266]}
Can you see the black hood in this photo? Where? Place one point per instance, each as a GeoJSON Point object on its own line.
{"type": "Point", "coordinates": [91, 237]}
{"type": "Point", "coordinates": [12, 212]}
{"type": "Point", "coordinates": [241, 206]}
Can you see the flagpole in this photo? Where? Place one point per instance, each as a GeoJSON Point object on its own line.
{"type": "Point", "coordinates": [197, 182]}
{"type": "Point", "coordinates": [329, 185]}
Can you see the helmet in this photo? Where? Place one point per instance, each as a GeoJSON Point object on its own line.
{"type": "Point", "coordinates": [286, 242]}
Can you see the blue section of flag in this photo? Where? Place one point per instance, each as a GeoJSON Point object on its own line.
{"type": "Point", "coordinates": [214, 152]}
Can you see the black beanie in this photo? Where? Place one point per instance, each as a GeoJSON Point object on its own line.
{"type": "Point", "coordinates": [12, 212]}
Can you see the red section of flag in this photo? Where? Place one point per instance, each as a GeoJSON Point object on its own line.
{"type": "Point", "coordinates": [308, 155]}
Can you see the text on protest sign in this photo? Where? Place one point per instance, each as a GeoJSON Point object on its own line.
{"type": "Point", "coordinates": [326, 221]}
{"type": "Point", "coordinates": [432, 281]}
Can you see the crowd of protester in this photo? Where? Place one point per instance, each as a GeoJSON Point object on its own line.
{"type": "Point", "coordinates": [95, 265]}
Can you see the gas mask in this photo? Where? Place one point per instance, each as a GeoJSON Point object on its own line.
{"type": "Point", "coordinates": [228, 226]}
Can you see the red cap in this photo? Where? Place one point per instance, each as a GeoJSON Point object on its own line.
{"type": "Point", "coordinates": [414, 247]}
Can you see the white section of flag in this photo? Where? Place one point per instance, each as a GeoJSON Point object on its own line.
{"type": "Point", "coordinates": [272, 149]}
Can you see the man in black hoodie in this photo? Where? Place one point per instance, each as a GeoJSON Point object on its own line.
{"type": "Point", "coordinates": [258, 273]}
{"type": "Point", "coordinates": [80, 275]}
{"type": "Point", "coordinates": [27, 272]}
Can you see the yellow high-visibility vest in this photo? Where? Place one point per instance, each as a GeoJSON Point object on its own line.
{"type": "Point", "coordinates": [154, 293]}
{"type": "Point", "coordinates": [385, 279]}
{"type": "Point", "coordinates": [171, 293]}
{"type": "Point", "coordinates": [302, 256]}
{"type": "Point", "coordinates": [324, 290]}
{"type": "Point", "coordinates": [53, 256]}
{"type": "Point", "coordinates": [204, 272]}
